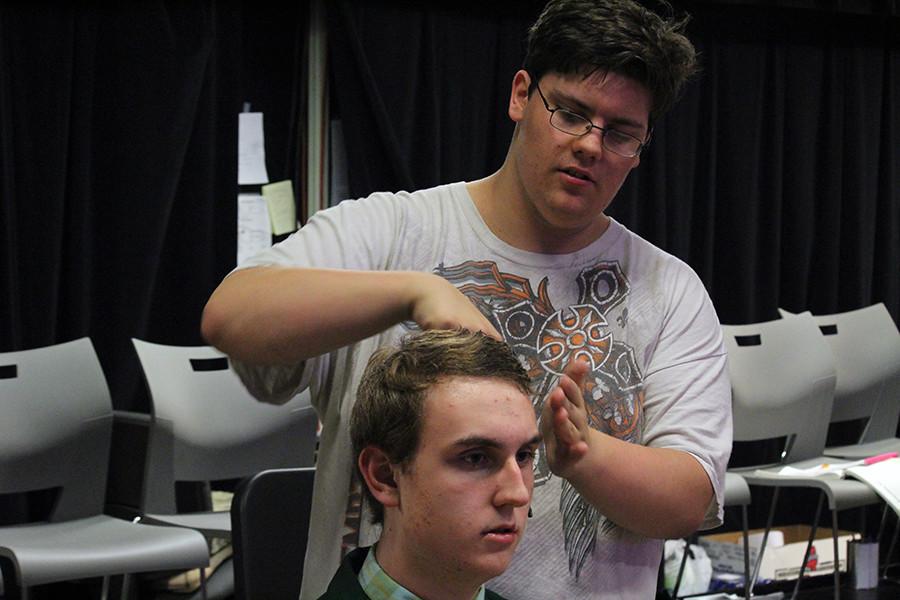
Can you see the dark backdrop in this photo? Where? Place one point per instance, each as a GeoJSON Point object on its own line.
{"type": "Point", "coordinates": [118, 164]}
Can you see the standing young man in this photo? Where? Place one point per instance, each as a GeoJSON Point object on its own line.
{"type": "Point", "coordinates": [528, 254]}
{"type": "Point", "coordinates": [444, 436]}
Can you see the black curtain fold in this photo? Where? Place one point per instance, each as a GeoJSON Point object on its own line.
{"type": "Point", "coordinates": [119, 164]}
{"type": "Point", "coordinates": [419, 89]}
{"type": "Point", "coordinates": [774, 177]}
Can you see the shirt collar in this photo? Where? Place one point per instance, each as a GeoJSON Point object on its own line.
{"type": "Point", "coordinates": [378, 585]}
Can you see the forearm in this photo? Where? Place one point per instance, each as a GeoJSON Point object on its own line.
{"type": "Point", "coordinates": [656, 492]}
{"type": "Point", "coordinates": [283, 315]}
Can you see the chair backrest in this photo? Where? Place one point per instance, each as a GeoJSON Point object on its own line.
{"type": "Point", "coordinates": [206, 426]}
{"type": "Point", "coordinates": [782, 381]}
{"type": "Point", "coordinates": [269, 529]}
{"type": "Point", "coordinates": [866, 348]}
{"type": "Point", "coordinates": [55, 426]}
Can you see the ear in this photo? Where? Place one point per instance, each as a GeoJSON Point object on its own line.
{"type": "Point", "coordinates": [377, 470]}
{"type": "Point", "coordinates": [518, 95]}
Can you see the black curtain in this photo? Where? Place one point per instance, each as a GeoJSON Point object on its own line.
{"type": "Point", "coordinates": [422, 90]}
{"type": "Point", "coordinates": [775, 177]}
{"type": "Point", "coordinates": [118, 164]}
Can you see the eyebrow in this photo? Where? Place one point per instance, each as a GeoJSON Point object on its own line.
{"type": "Point", "coordinates": [486, 442]}
{"type": "Point", "coordinates": [587, 110]}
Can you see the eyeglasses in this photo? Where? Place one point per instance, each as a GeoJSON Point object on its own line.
{"type": "Point", "coordinates": [572, 123]}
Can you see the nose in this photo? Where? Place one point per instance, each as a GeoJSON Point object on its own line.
{"type": "Point", "coordinates": [590, 144]}
{"type": "Point", "coordinates": [514, 484]}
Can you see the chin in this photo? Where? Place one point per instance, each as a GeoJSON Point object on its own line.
{"type": "Point", "coordinates": [492, 566]}
{"type": "Point", "coordinates": [572, 216]}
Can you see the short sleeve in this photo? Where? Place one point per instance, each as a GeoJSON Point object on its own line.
{"type": "Point", "coordinates": [687, 391]}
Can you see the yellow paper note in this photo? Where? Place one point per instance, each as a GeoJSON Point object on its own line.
{"type": "Point", "coordinates": [282, 211]}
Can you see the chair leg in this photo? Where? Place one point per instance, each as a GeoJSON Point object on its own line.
{"type": "Point", "coordinates": [812, 536]}
{"type": "Point", "coordinates": [745, 521]}
{"type": "Point", "coordinates": [890, 552]}
{"type": "Point", "coordinates": [104, 588]}
{"type": "Point", "coordinates": [126, 585]}
{"type": "Point", "coordinates": [883, 524]}
{"type": "Point", "coordinates": [837, 561]}
{"type": "Point", "coordinates": [684, 559]}
{"type": "Point", "coordinates": [762, 548]}
{"type": "Point", "coordinates": [203, 583]}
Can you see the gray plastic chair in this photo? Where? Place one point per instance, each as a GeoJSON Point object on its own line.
{"type": "Point", "coordinates": [866, 348]}
{"type": "Point", "coordinates": [865, 344]}
{"type": "Point", "coordinates": [206, 427]}
{"type": "Point", "coordinates": [783, 378]}
{"type": "Point", "coordinates": [270, 522]}
{"type": "Point", "coordinates": [55, 425]}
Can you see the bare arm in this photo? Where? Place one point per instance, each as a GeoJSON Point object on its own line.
{"type": "Point", "coordinates": [283, 315]}
{"type": "Point", "coordinates": [656, 492]}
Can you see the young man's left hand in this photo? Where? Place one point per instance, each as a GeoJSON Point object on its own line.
{"type": "Point", "coordinates": [564, 421]}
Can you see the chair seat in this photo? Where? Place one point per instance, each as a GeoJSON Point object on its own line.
{"type": "Point", "coordinates": [860, 451]}
{"type": "Point", "coordinates": [737, 492]}
{"type": "Point", "coordinates": [841, 493]}
{"type": "Point", "coordinates": [213, 524]}
{"type": "Point", "coordinates": [96, 546]}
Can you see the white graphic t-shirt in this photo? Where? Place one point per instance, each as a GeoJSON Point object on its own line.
{"type": "Point", "coordinates": [640, 316]}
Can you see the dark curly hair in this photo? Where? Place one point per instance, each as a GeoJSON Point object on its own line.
{"type": "Point", "coordinates": [621, 36]}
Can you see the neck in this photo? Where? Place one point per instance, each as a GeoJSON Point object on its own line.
{"type": "Point", "coordinates": [419, 574]}
{"type": "Point", "coordinates": [502, 204]}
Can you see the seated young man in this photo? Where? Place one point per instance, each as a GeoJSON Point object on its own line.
{"type": "Point", "coordinates": [444, 436]}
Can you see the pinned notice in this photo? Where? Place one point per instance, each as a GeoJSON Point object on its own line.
{"type": "Point", "coordinates": [254, 230]}
{"type": "Point", "coordinates": [251, 149]}
{"type": "Point", "coordinates": [282, 210]}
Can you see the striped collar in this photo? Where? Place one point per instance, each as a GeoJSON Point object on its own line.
{"type": "Point", "coordinates": [378, 585]}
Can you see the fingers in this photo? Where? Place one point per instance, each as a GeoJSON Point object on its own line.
{"type": "Point", "coordinates": [568, 445]}
{"type": "Point", "coordinates": [462, 314]}
{"type": "Point", "coordinates": [484, 327]}
{"type": "Point", "coordinates": [439, 305]}
{"type": "Point", "coordinates": [491, 331]}
{"type": "Point", "coordinates": [577, 370]}
{"type": "Point", "coordinates": [572, 395]}
{"type": "Point", "coordinates": [564, 441]}
{"type": "Point", "coordinates": [565, 429]}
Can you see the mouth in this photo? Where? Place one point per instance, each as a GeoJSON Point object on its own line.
{"type": "Point", "coordinates": [577, 174]}
{"type": "Point", "coordinates": [504, 534]}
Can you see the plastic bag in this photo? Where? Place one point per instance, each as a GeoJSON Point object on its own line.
{"type": "Point", "coordinates": [697, 571]}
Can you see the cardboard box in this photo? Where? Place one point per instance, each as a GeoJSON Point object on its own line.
{"type": "Point", "coordinates": [784, 552]}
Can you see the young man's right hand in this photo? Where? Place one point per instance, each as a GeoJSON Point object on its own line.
{"type": "Point", "coordinates": [437, 304]}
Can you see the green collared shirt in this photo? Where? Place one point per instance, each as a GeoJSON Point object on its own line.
{"type": "Point", "coordinates": [378, 585]}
